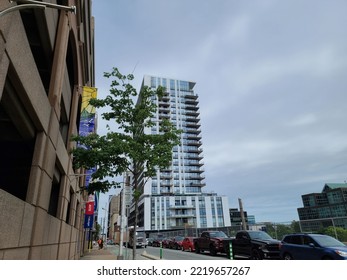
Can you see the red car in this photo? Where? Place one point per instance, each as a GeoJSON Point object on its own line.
{"type": "Point", "coordinates": [176, 242]}
{"type": "Point", "coordinates": [188, 244]}
{"type": "Point", "coordinates": [165, 243]}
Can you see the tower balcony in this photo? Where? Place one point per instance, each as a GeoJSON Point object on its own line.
{"type": "Point", "coordinates": [181, 207]}
{"type": "Point", "coordinates": [164, 115]}
{"type": "Point", "coordinates": [197, 177]}
{"type": "Point", "coordinates": [194, 130]}
{"type": "Point", "coordinates": [192, 113]}
{"type": "Point", "coordinates": [192, 119]}
{"type": "Point", "coordinates": [194, 136]}
{"type": "Point", "coordinates": [174, 216]}
{"type": "Point", "coordinates": [193, 124]}
{"type": "Point", "coordinates": [166, 176]}
{"type": "Point", "coordinates": [194, 143]}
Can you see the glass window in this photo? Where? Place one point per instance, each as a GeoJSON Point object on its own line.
{"type": "Point", "coordinates": [172, 84]}
{"type": "Point", "coordinates": [164, 83]}
{"type": "Point", "coordinates": [153, 82]}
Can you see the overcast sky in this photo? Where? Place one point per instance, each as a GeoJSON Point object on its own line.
{"type": "Point", "coordinates": [271, 80]}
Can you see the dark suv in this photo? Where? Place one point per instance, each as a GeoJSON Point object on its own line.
{"type": "Point", "coordinates": [304, 246]}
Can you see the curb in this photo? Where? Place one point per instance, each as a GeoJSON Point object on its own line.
{"type": "Point", "coordinates": [148, 256]}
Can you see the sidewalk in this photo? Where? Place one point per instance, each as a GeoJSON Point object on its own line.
{"type": "Point", "coordinates": [111, 252]}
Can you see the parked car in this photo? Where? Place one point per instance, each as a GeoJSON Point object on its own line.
{"type": "Point", "coordinates": [150, 241]}
{"type": "Point", "coordinates": [176, 242]}
{"type": "Point", "coordinates": [256, 245]}
{"type": "Point", "coordinates": [165, 243]}
{"type": "Point", "coordinates": [304, 246]}
{"type": "Point", "coordinates": [188, 244]}
{"type": "Point", "coordinates": [156, 241]}
{"type": "Point", "coordinates": [212, 241]}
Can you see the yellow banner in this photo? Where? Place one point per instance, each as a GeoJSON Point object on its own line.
{"type": "Point", "coordinates": [88, 93]}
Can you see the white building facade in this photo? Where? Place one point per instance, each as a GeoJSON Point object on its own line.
{"type": "Point", "coordinates": [174, 198]}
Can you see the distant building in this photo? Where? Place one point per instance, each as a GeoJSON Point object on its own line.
{"type": "Point", "coordinates": [328, 208]}
{"type": "Point", "coordinates": [124, 198]}
{"type": "Point", "coordinates": [235, 217]}
{"type": "Point", "coordinates": [174, 198]}
{"type": "Point", "coordinates": [251, 219]}
{"type": "Point", "coordinates": [113, 215]}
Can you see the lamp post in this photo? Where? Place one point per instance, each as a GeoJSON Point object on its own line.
{"type": "Point", "coordinates": [103, 224]}
{"type": "Point", "coordinates": [106, 209]}
{"type": "Point", "coordinates": [122, 223]}
{"type": "Point", "coordinates": [30, 4]}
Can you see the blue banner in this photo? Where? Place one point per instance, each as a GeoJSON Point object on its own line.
{"type": "Point", "coordinates": [88, 221]}
{"type": "Point", "coordinates": [96, 201]}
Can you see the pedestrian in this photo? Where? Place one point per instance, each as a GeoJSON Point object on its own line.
{"type": "Point", "coordinates": [101, 243]}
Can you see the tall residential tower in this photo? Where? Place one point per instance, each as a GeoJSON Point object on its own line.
{"type": "Point", "coordinates": [174, 198]}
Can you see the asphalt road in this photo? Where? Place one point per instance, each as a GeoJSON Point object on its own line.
{"type": "Point", "coordinates": [170, 254]}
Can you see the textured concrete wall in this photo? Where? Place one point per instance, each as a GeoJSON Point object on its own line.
{"type": "Point", "coordinates": [16, 221]}
{"type": "Point", "coordinates": [27, 231]}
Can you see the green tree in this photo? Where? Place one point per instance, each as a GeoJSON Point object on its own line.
{"type": "Point", "coordinates": [295, 226]}
{"type": "Point", "coordinates": [277, 231]}
{"type": "Point", "coordinates": [128, 148]}
{"type": "Point", "coordinates": [336, 232]}
{"type": "Point", "coordinates": [97, 231]}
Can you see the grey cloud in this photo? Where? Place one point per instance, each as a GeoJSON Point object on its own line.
{"type": "Point", "coordinates": [271, 79]}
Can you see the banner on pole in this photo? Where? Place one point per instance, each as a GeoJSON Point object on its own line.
{"type": "Point", "coordinates": [90, 208]}
{"type": "Point", "coordinates": [87, 121]}
{"type": "Point", "coordinates": [88, 221]}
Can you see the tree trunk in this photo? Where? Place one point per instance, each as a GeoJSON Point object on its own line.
{"type": "Point", "coordinates": [136, 196]}
{"type": "Point", "coordinates": [135, 229]}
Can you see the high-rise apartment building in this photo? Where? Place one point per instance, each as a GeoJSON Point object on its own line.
{"type": "Point", "coordinates": [174, 198]}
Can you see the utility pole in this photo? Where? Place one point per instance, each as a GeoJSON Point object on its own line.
{"type": "Point", "coordinates": [243, 220]}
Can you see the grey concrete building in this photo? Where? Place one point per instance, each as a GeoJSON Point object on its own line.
{"type": "Point", "coordinates": [46, 57]}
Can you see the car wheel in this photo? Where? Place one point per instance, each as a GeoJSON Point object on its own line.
{"type": "Point", "coordinates": [213, 251]}
{"type": "Point", "coordinates": [197, 249]}
{"type": "Point", "coordinates": [256, 255]}
{"type": "Point", "coordinates": [287, 256]}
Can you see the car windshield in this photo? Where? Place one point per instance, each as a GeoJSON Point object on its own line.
{"type": "Point", "coordinates": [327, 241]}
{"type": "Point", "coordinates": [179, 238]}
{"type": "Point", "coordinates": [218, 234]}
{"type": "Point", "coordinates": [259, 235]}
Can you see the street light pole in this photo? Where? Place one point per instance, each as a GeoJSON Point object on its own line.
{"type": "Point", "coordinates": [106, 209]}
{"type": "Point", "coordinates": [122, 222]}
{"type": "Point", "coordinates": [47, 5]}
{"type": "Point", "coordinates": [31, 4]}
{"type": "Point", "coordinates": [104, 224]}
